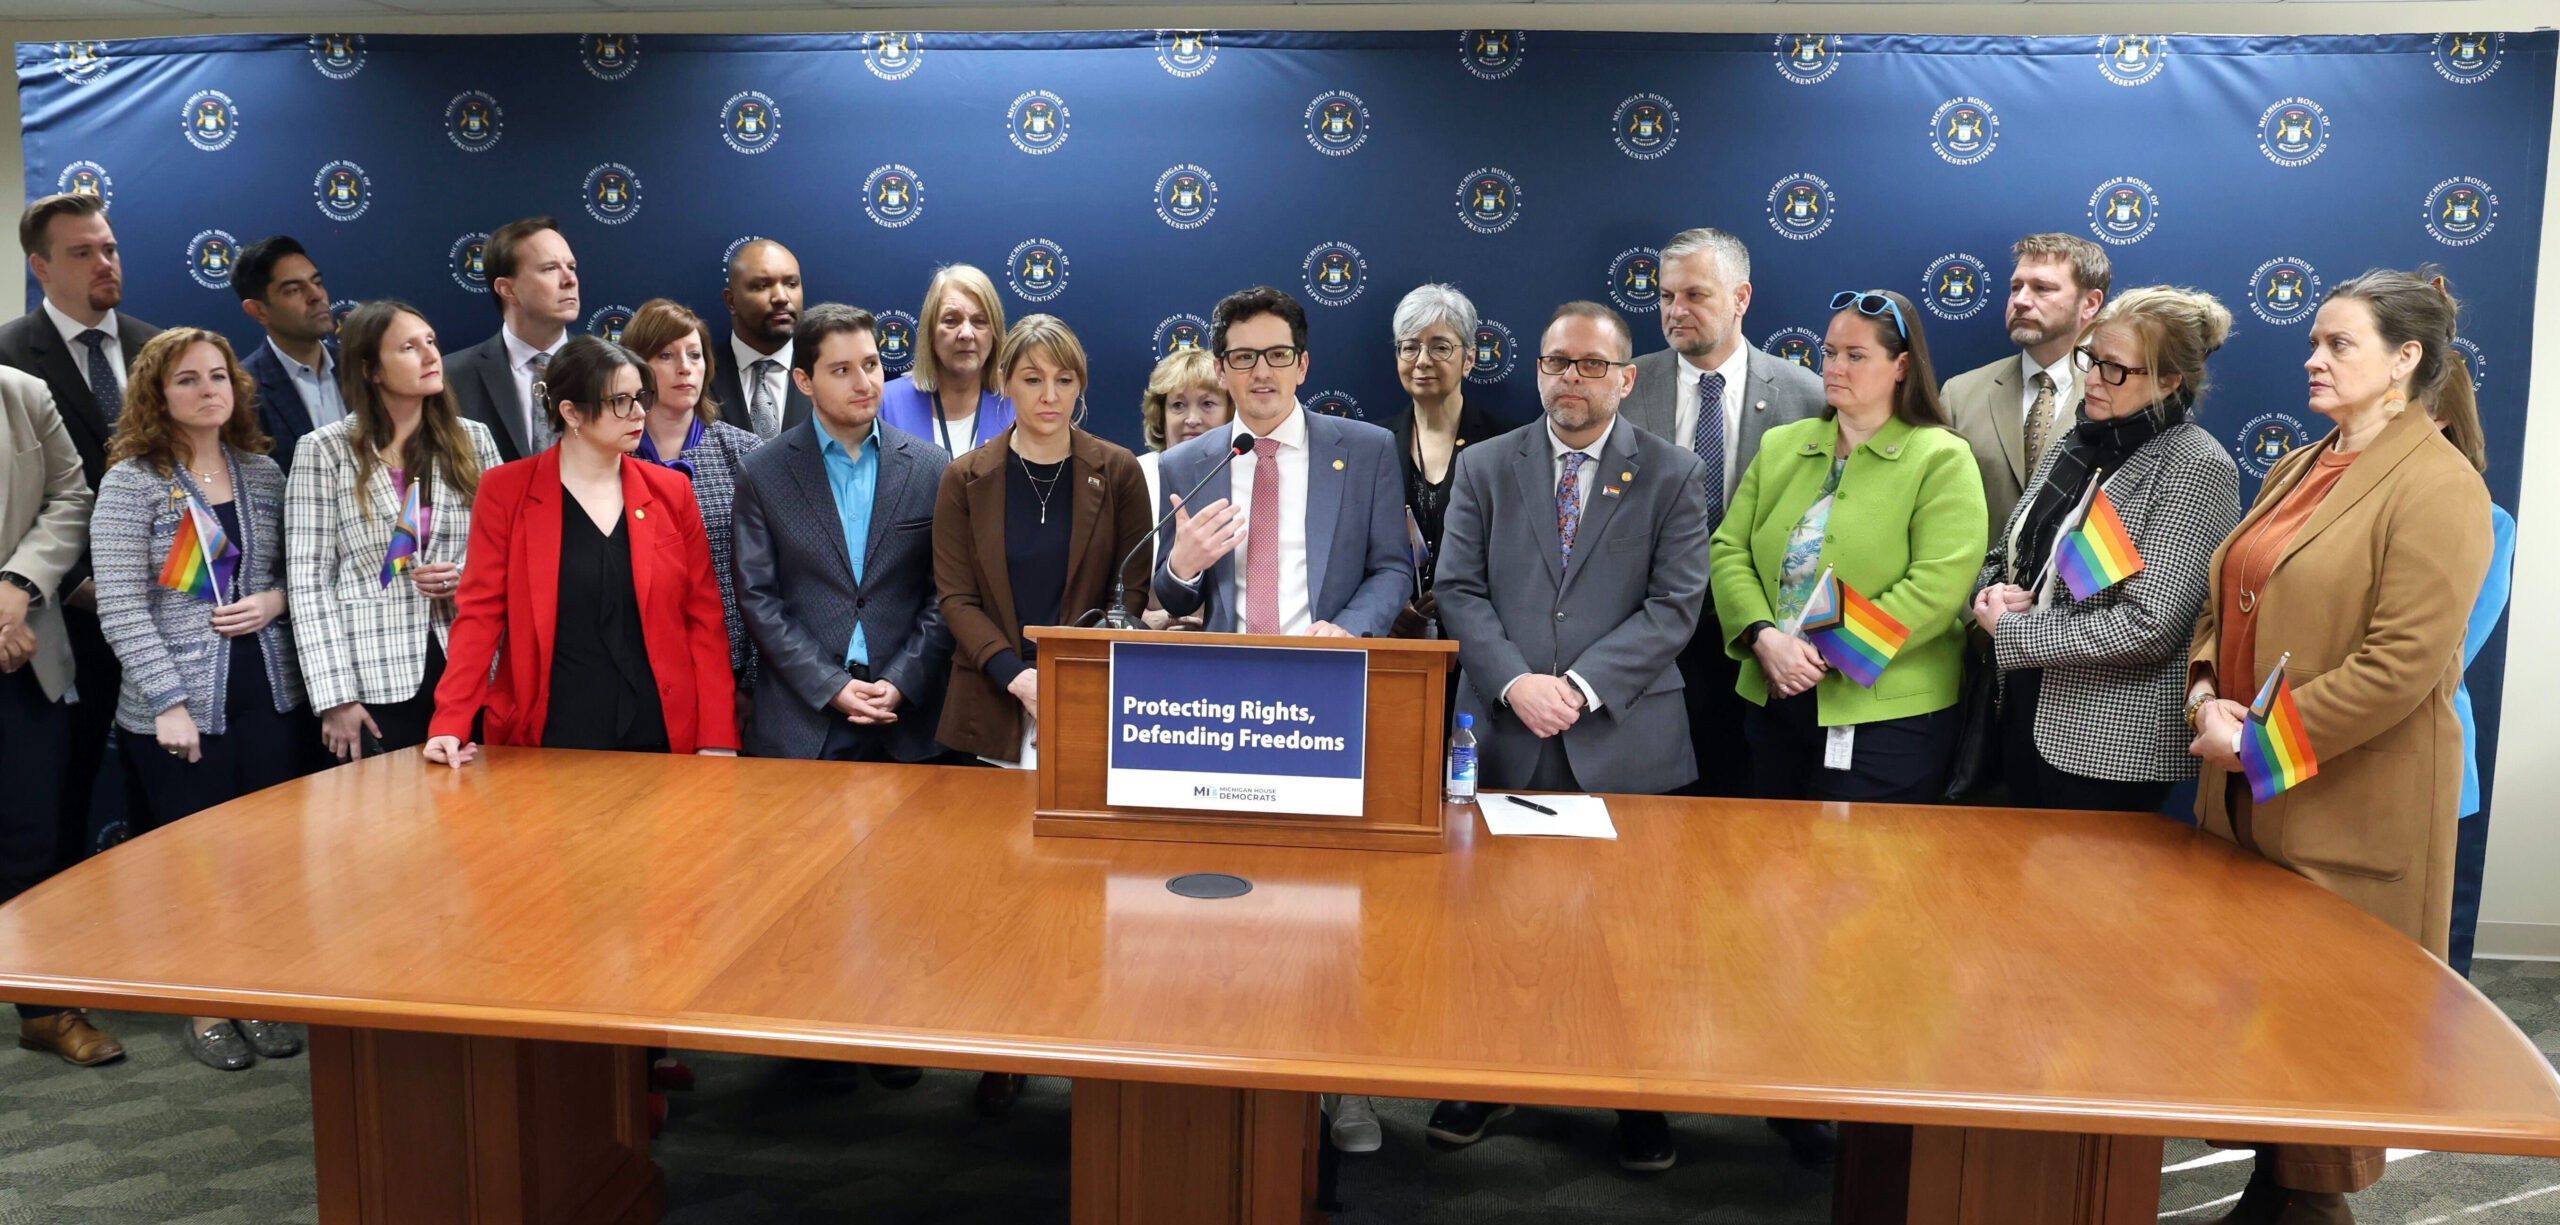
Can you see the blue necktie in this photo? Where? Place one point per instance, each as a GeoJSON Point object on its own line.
{"type": "Point", "coordinates": [1708, 441]}
{"type": "Point", "coordinates": [1569, 503]}
{"type": "Point", "coordinates": [102, 375]}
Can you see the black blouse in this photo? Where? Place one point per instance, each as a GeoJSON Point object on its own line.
{"type": "Point", "coordinates": [603, 693]}
{"type": "Point", "coordinates": [1429, 501]}
{"type": "Point", "coordinates": [1035, 549]}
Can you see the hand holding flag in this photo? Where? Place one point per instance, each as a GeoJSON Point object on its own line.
{"type": "Point", "coordinates": [2099, 553]}
{"type": "Point", "coordinates": [407, 538]}
{"type": "Point", "coordinates": [202, 557]}
{"type": "Point", "coordinates": [2275, 748]}
{"type": "Point", "coordinates": [1853, 634]}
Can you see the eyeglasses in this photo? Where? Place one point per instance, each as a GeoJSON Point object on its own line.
{"type": "Point", "coordinates": [1279, 357]}
{"type": "Point", "coordinates": [2114, 373]}
{"type": "Point", "coordinates": [628, 405]}
{"type": "Point", "coordinates": [1587, 367]}
{"type": "Point", "coordinates": [1872, 304]}
{"type": "Point", "coordinates": [1440, 350]}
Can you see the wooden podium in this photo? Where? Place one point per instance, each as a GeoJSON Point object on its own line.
{"type": "Point", "coordinates": [1408, 710]}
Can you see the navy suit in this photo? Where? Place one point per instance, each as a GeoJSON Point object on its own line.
{"type": "Point", "coordinates": [1359, 567]}
{"type": "Point", "coordinates": [281, 412]}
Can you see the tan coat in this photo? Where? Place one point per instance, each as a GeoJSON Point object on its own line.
{"type": "Point", "coordinates": [44, 515]}
{"type": "Point", "coordinates": [2371, 597]}
{"type": "Point", "coordinates": [1983, 406]}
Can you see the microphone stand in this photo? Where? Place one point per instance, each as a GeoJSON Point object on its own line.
{"type": "Point", "coordinates": [1116, 616]}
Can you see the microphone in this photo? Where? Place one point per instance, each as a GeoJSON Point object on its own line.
{"type": "Point", "coordinates": [1117, 616]}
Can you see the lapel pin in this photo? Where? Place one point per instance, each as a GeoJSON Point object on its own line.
{"type": "Point", "coordinates": [1760, 406]}
{"type": "Point", "coordinates": [1094, 481]}
{"type": "Point", "coordinates": [638, 513]}
{"type": "Point", "coordinates": [1893, 450]}
{"type": "Point", "coordinates": [1626, 476]}
{"type": "Point", "coordinates": [1337, 465]}
{"type": "Point", "coordinates": [1608, 491]}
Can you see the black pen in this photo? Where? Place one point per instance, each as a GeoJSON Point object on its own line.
{"type": "Point", "coordinates": [1531, 807]}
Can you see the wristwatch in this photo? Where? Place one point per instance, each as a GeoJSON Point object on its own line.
{"type": "Point", "coordinates": [35, 594]}
{"type": "Point", "coordinates": [1751, 633]}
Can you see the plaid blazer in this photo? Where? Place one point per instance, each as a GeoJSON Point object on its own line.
{"type": "Point", "coordinates": [716, 460]}
{"type": "Point", "coordinates": [2115, 665]}
{"type": "Point", "coordinates": [164, 638]}
{"type": "Point", "coordinates": [362, 640]}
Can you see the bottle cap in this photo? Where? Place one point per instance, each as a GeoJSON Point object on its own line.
{"type": "Point", "coordinates": [1466, 720]}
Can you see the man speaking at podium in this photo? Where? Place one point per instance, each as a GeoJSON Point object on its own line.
{"type": "Point", "coordinates": [1315, 501]}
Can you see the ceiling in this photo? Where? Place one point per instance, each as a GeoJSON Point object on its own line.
{"type": "Point", "coordinates": [120, 10]}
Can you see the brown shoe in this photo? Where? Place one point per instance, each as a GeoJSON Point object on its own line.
{"type": "Point", "coordinates": [2261, 1202]}
{"type": "Point", "coordinates": [2316, 1208]}
{"type": "Point", "coordinates": [70, 1035]}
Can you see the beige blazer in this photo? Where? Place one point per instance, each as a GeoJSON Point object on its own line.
{"type": "Point", "coordinates": [44, 515]}
{"type": "Point", "coordinates": [2371, 597]}
{"type": "Point", "coordinates": [1983, 405]}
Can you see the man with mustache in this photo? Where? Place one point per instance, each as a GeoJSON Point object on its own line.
{"type": "Point", "coordinates": [763, 298]}
{"type": "Point", "coordinates": [297, 369]}
{"type": "Point", "coordinates": [2011, 410]}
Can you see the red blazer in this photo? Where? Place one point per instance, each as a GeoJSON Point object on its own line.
{"type": "Point", "coordinates": [511, 593]}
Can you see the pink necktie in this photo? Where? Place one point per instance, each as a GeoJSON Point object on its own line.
{"type": "Point", "coordinates": [1262, 542]}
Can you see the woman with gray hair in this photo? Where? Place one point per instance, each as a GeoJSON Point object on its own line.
{"type": "Point", "coordinates": [1435, 346]}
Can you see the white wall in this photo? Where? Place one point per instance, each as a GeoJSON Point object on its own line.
{"type": "Point", "coordinates": [2521, 909]}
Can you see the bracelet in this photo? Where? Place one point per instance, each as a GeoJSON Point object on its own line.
{"type": "Point", "coordinates": [2195, 704]}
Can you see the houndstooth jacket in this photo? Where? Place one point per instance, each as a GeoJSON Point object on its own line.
{"type": "Point", "coordinates": [2113, 704]}
{"type": "Point", "coordinates": [362, 640]}
{"type": "Point", "coordinates": [716, 460]}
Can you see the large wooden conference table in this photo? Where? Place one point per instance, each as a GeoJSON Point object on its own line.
{"type": "Point", "coordinates": [2010, 1008]}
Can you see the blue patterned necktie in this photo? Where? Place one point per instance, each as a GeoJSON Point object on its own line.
{"type": "Point", "coordinates": [1569, 502]}
{"type": "Point", "coordinates": [1708, 441]}
{"type": "Point", "coordinates": [102, 375]}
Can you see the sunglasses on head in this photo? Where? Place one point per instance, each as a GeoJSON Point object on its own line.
{"type": "Point", "coordinates": [1872, 304]}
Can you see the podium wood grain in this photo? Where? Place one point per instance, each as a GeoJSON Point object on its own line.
{"type": "Point", "coordinates": [1991, 976]}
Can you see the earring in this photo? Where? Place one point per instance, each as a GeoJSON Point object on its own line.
{"type": "Point", "coordinates": [2395, 401]}
{"type": "Point", "coordinates": [1075, 420]}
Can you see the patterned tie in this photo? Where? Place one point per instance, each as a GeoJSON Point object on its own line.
{"type": "Point", "coordinates": [2040, 420]}
{"type": "Point", "coordinates": [1569, 503]}
{"type": "Point", "coordinates": [1262, 542]}
{"type": "Point", "coordinates": [761, 413]}
{"type": "Point", "coordinates": [102, 375]}
{"type": "Point", "coordinates": [537, 424]}
{"type": "Point", "coordinates": [1708, 442]}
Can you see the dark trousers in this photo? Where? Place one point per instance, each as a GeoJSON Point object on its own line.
{"type": "Point", "coordinates": [93, 717]}
{"type": "Point", "coordinates": [33, 734]}
{"type": "Point", "coordinates": [404, 723]}
{"type": "Point", "coordinates": [1716, 713]}
{"type": "Point", "coordinates": [259, 748]}
{"type": "Point", "coordinates": [2037, 783]}
{"type": "Point", "coordinates": [2470, 860]}
{"type": "Point", "coordinates": [1892, 761]}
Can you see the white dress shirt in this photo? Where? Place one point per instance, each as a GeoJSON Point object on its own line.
{"type": "Point", "coordinates": [1736, 371]}
{"type": "Point", "coordinates": [1589, 477]}
{"type": "Point", "coordinates": [1297, 611]}
{"type": "Point", "coordinates": [520, 368]}
{"type": "Point", "coordinates": [2062, 374]}
{"type": "Point", "coordinates": [778, 382]}
{"type": "Point", "coordinates": [318, 388]}
{"type": "Point", "coordinates": [71, 329]}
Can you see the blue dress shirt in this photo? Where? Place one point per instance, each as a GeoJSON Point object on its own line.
{"type": "Point", "coordinates": [854, 478]}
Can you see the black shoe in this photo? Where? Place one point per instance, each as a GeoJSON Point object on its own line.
{"type": "Point", "coordinates": [1463, 1122]}
{"type": "Point", "coordinates": [271, 1039]}
{"type": "Point", "coordinates": [1811, 1141]}
{"type": "Point", "coordinates": [219, 1046]}
{"type": "Point", "coordinates": [996, 1092]}
{"type": "Point", "coordinates": [894, 1076]}
{"type": "Point", "coordinates": [1644, 1141]}
{"type": "Point", "coordinates": [2261, 1202]}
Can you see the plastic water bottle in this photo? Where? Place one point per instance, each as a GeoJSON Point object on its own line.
{"type": "Point", "coordinates": [1462, 762]}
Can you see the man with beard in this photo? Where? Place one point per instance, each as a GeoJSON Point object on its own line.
{"type": "Point", "coordinates": [2012, 409]}
{"type": "Point", "coordinates": [764, 305]}
{"type": "Point", "coordinates": [297, 369]}
{"type": "Point", "coordinates": [533, 276]}
{"type": "Point", "coordinates": [1572, 572]}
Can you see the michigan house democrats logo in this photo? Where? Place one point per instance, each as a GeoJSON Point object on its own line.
{"type": "Point", "coordinates": [2293, 132]}
{"type": "Point", "coordinates": [212, 121]}
{"type": "Point", "coordinates": [750, 122]}
{"type": "Point", "coordinates": [1037, 122]}
{"type": "Point", "coordinates": [1337, 123]}
{"type": "Point", "coordinates": [609, 57]}
{"type": "Point", "coordinates": [81, 62]}
{"type": "Point", "coordinates": [1645, 126]}
{"type": "Point", "coordinates": [1489, 200]}
{"type": "Point", "coordinates": [612, 193]}
{"type": "Point", "coordinates": [2468, 59]}
{"type": "Point", "coordinates": [87, 179]}
{"type": "Point", "coordinates": [209, 256]}
{"type": "Point", "coordinates": [1037, 270]}
{"type": "Point", "coordinates": [892, 55]}
{"type": "Point", "coordinates": [892, 196]}
{"type": "Point", "coordinates": [1798, 345]}
{"type": "Point", "coordinates": [468, 260]}
{"type": "Point", "coordinates": [1492, 356]}
{"type": "Point", "coordinates": [2284, 291]}
{"type": "Point", "coordinates": [1335, 273]}
{"type": "Point", "coordinates": [1186, 53]}
{"type": "Point", "coordinates": [1174, 333]}
{"type": "Point", "coordinates": [473, 121]}
{"type": "Point", "coordinates": [1964, 131]}
{"type": "Point", "coordinates": [1808, 59]}
{"type": "Point", "coordinates": [897, 334]}
{"type": "Point", "coordinates": [1800, 206]}
{"type": "Point", "coordinates": [2123, 210]}
{"type": "Point", "coordinates": [607, 323]}
{"type": "Point", "coordinates": [2461, 211]}
{"type": "Point", "coordinates": [1953, 287]}
{"type": "Point", "coordinates": [338, 56]}
{"type": "Point", "coordinates": [1336, 404]}
{"type": "Point", "coordinates": [2264, 440]}
{"type": "Point", "coordinates": [1186, 197]}
{"type": "Point", "coordinates": [2132, 59]}
{"type": "Point", "coordinates": [1635, 280]}
{"type": "Point", "coordinates": [342, 191]}
{"type": "Point", "coordinates": [1491, 54]}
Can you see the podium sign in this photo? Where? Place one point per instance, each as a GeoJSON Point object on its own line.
{"type": "Point", "coordinates": [1252, 729]}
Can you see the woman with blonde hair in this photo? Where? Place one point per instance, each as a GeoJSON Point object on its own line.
{"type": "Point", "coordinates": [948, 399]}
{"type": "Point", "coordinates": [1183, 400]}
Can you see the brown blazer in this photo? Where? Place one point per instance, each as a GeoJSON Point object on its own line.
{"type": "Point", "coordinates": [2372, 598]}
{"type": "Point", "coordinates": [977, 595]}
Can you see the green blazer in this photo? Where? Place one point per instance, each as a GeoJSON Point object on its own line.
{"type": "Point", "coordinates": [1907, 531]}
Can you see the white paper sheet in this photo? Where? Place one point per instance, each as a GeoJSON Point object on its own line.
{"type": "Point", "coordinates": [1577, 816]}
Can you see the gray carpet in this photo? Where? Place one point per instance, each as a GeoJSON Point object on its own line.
{"type": "Point", "coordinates": [158, 1140]}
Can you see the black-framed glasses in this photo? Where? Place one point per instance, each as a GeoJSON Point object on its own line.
{"type": "Point", "coordinates": [1278, 356]}
{"type": "Point", "coordinates": [1872, 304]}
{"type": "Point", "coordinates": [1439, 350]}
{"type": "Point", "coordinates": [627, 405]}
{"type": "Point", "coordinates": [1587, 367]}
{"type": "Point", "coordinates": [2115, 373]}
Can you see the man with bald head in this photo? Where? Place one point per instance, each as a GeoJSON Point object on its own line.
{"type": "Point", "coordinates": [756, 391]}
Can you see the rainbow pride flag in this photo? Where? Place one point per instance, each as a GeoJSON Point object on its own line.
{"type": "Point", "coordinates": [1856, 636]}
{"type": "Point", "coordinates": [202, 556]}
{"type": "Point", "coordinates": [2099, 553]}
{"type": "Point", "coordinates": [2275, 749]}
{"type": "Point", "coordinates": [406, 537]}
